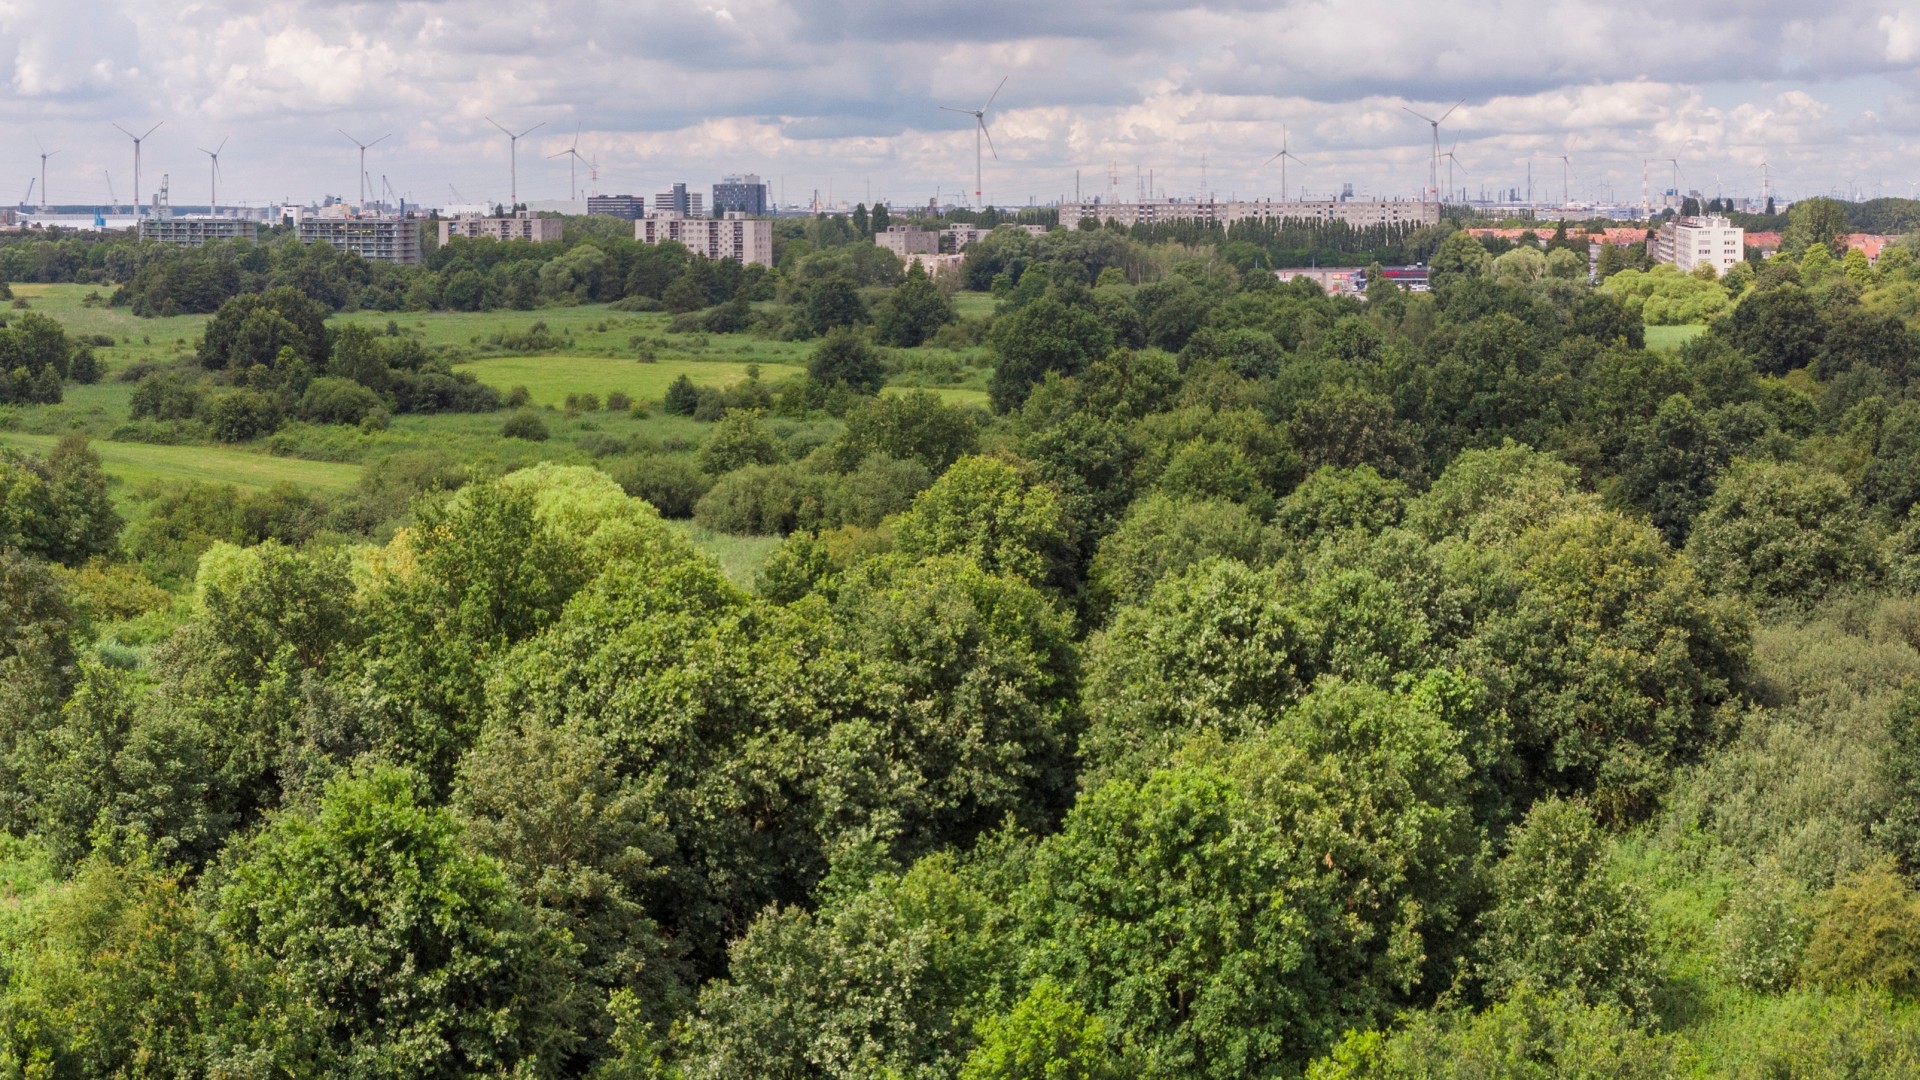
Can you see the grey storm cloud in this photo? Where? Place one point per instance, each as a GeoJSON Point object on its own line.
{"type": "Point", "coordinates": [847, 93]}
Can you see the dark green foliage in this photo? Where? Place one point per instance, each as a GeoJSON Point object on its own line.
{"type": "Point", "coordinates": [35, 355]}
{"type": "Point", "coordinates": [843, 358]}
{"type": "Point", "coordinates": [682, 397]}
{"type": "Point", "coordinates": [251, 329]}
{"type": "Point", "coordinates": [524, 424]}
{"type": "Point", "coordinates": [757, 500]}
{"type": "Point", "coordinates": [183, 520]}
{"type": "Point", "coordinates": [832, 303]}
{"type": "Point", "coordinates": [57, 507]}
{"type": "Point", "coordinates": [913, 426]}
{"type": "Point", "coordinates": [1048, 335]}
{"type": "Point", "coordinates": [913, 311]}
{"type": "Point", "coordinates": [741, 438]}
{"type": "Point", "coordinates": [1780, 532]}
{"type": "Point", "coordinates": [243, 415]}
{"type": "Point", "coordinates": [673, 485]}
{"type": "Point", "coordinates": [337, 401]}
{"type": "Point", "coordinates": [1899, 766]}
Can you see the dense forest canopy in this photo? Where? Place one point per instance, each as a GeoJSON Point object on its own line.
{"type": "Point", "coordinates": [1151, 669]}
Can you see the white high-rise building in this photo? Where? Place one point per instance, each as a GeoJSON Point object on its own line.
{"type": "Point", "coordinates": [743, 239]}
{"type": "Point", "coordinates": [1692, 241]}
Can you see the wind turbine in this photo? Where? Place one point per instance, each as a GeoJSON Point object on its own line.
{"type": "Point", "coordinates": [1452, 160]}
{"type": "Point", "coordinates": [363, 160]}
{"type": "Point", "coordinates": [1566, 173]}
{"type": "Point", "coordinates": [44, 155]}
{"type": "Point", "coordinates": [1282, 157]}
{"type": "Point", "coordinates": [572, 153]}
{"type": "Point", "coordinates": [213, 181]}
{"type": "Point", "coordinates": [513, 157]}
{"type": "Point", "coordinates": [979, 132]}
{"type": "Point", "coordinates": [137, 140]}
{"type": "Point", "coordinates": [1433, 169]}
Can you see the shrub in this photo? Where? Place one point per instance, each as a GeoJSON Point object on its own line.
{"type": "Point", "coordinates": [619, 401]}
{"type": "Point", "coordinates": [682, 398]}
{"type": "Point", "coordinates": [518, 398]}
{"type": "Point", "coordinates": [1868, 933]}
{"type": "Point", "coordinates": [739, 439]}
{"type": "Point", "coordinates": [673, 485]}
{"type": "Point", "coordinates": [759, 500]}
{"type": "Point", "coordinates": [525, 424]}
{"type": "Point", "coordinates": [337, 401]}
{"type": "Point", "coordinates": [843, 358]}
{"type": "Point", "coordinates": [242, 415]}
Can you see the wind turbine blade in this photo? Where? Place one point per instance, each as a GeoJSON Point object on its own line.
{"type": "Point", "coordinates": [989, 135]}
{"type": "Point", "coordinates": [503, 130]}
{"type": "Point", "coordinates": [381, 139]}
{"type": "Point", "coordinates": [153, 129]}
{"type": "Point", "coordinates": [996, 92]}
{"type": "Point", "coordinates": [222, 146]}
{"type": "Point", "coordinates": [1428, 119]}
{"type": "Point", "coordinates": [949, 108]}
{"type": "Point", "coordinates": [1449, 112]}
{"type": "Point", "coordinates": [122, 130]}
{"type": "Point", "coordinates": [1275, 158]}
{"type": "Point", "coordinates": [531, 130]}
{"type": "Point", "coordinates": [562, 153]}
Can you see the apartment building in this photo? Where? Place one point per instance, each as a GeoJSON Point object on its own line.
{"type": "Point", "coordinates": [905, 240]}
{"type": "Point", "coordinates": [523, 226]}
{"type": "Point", "coordinates": [678, 200]}
{"type": "Point", "coordinates": [625, 207]}
{"type": "Point", "coordinates": [394, 240]}
{"type": "Point", "coordinates": [1710, 240]}
{"type": "Point", "coordinates": [745, 240]}
{"type": "Point", "coordinates": [196, 230]}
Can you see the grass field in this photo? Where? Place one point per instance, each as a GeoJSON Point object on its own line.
{"type": "Point", "coordinates": [1670, 338]}
{"type": "Point", "coordinates": [549, 379]}
{"type": "Point", "coordinates": [137, 463]}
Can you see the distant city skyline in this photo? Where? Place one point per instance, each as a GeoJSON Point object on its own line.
{"type": "Point", "coordinates": [844, 98]}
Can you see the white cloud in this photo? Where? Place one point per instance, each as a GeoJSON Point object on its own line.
{"type": "Point", "coordinates": [845, 93]}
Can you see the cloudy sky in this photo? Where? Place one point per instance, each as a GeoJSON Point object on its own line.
{"type": "Point", "coordinates": [842, 96]}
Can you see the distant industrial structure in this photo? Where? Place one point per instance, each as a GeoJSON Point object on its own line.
{"type": "Point", "coordinates": [1358, 213]}
{"type": "Point", "coordinates": [745, 240]}
{"type": "Point", "coordinates": [376, 239]}
{"type": "Point", "coordinates": [625, 207]}
{"type": "Point", "coordinates": [522, 226]}
{"type": "Point", "coordinates": [197, 229]}
{"type": "Point", "coordinates": [678, 200]}
{"type": "Point", "coordinates": [1708, 240]}
{"type": "Point", "coordinates": [741, 195]}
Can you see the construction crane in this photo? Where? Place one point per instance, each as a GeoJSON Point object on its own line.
{"type": "Point", "coordinates": [111, 197]}
{"type": "Point", "coordinates": [28, 197]}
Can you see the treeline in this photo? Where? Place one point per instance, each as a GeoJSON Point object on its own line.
{"type": "Point", "coordinates": [1274, 684]}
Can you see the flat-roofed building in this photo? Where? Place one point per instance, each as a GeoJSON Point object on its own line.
{"type": "Point", "coordinates": [905, 240]}
{"type": "Point", "coordinates": [1358, 213]}
{"type": "Point", "coordinates": [393, 240]}
{"type": "Point", "coordinates": [1708, 240]}
{"type": "Point", "coordinates": [517, 227]}
{"type": "Point", "coordinates": [626, 207]}
{"type": "Point", "coordinates": [678, 200]}
{"type": "Point", "coordinates": [745, 240]}
{"type": "Point", "coordinates": [197, 230]}
{"type": "Point", "coordinates": [747, 195]}
{"type": "Point", "coordinates": [959, 236]}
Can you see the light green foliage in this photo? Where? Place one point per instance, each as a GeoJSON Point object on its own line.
{"type": "Point", "coordinates": [1528, 1037]}
{"type": "Point", "coordinates": [1332, 501]}
{"type": "Point", "coordinates": [887, 982]}
{"type": "Point", "coordinates": [1765, 930]}
{"type": "Point", "coordinates": [1046, 1036]}
{"type": "Point", "coordinates": [991, 511]}
{"type": "Point", "coordinates": [1780, 532]}
{"type": "Point", "coordinates": [116, 976]}
{"type": "Point", "coordinates": [1664, 296]}
{"type": "Point", "coordinates": [1234, 911]}
{"type": "Point", "coordinates": [741, 438]}
{"type": "Point", "coordinates": [403, 952]}
{"type": "Point", "coordinates": [1560, 921]}
{"type": "Point", "coordinates": [1163, 535]}
{"type": "Point", "coordinates": [1868, 933]}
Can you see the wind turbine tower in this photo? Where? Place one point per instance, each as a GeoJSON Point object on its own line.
{"type": "Point", "coordinates": [980, 132]}
{"type": "Point", "coordinates": [1452, 160]}
{"type": "Point", "coordinates": [137, 140]}
{"type": "Point", "coordinates": [513, 158]}
{"type": "Point", "coordinates": [1282, 157]}
{"type": "Point", "coordinates": [1566, 173]}
{"type": "Point", "coordinates": [213, 177]}
{"type": "Point", "coordinates": [363, 160]}
{"type": "Point", "coordinates": [44, 155]}
{"type": "Point", "coordinates": [572, 154]}
{"type": "Point", "coordinates": [1433, 167]}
